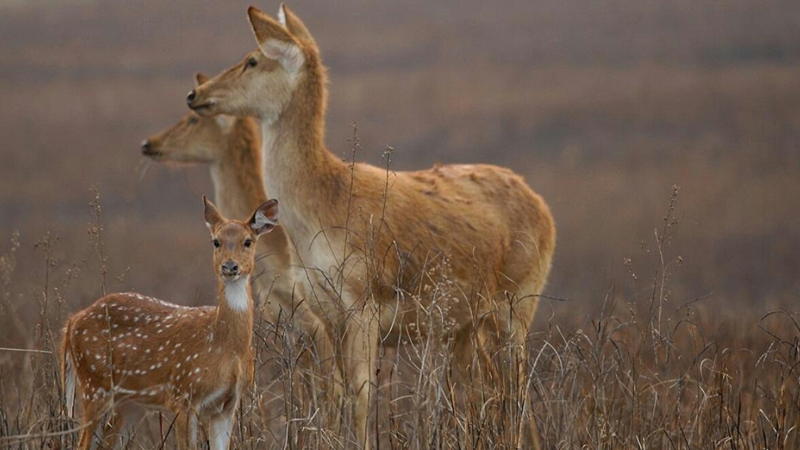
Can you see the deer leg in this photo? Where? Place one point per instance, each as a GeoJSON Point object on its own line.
{"type": "Point", "coordinates": [360, 346]}
{"type": "Point", "coordinates": [221, 426]}
{"type": "Point", "coordinates": [468, 353]}
{"type": "Point", "coordinates": [186, 429]}
{"type": "Point", "coordinates": [513, 321]}
{"type": "Point", "coordinates": [93, 419]}
{"type": "Point", "coordinates": [123, 415]}
{"type": "Point", "coordinates": [323, 349]}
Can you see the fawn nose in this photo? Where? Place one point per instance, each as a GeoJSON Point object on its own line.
{"type": "Point", "coordinates": [190, 98]}
{"type": "Point", "coordinates": [230, 268]}
{"type": "Point", "coordinates": [146, 147]}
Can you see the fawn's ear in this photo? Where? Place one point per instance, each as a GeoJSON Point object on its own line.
{"type": "Point", "coordinates": [212, 214]}
{"type": "Point", "coordinates": [265, 218]}
{"type": "Point", "coordinates": [293, 24]}
{"type": "Point", "coordinates": [274, 40]}
{"type": "Point", "coordinates": [201, 78]}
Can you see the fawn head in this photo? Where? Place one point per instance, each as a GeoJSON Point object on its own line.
{"type": "Point", "coordinates": [193, 139]}
{"type": "Point", "coordinates": [262, 84]}
{"type": "Point", "coordinates": [234, 241]}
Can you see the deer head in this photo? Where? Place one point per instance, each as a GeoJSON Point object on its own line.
{"type": "Point", "coordinates": [193, 139]}
{"type": "Point", "coordinates": [264, 82]}
{"type": "Point", "coordinates": [234, 240]}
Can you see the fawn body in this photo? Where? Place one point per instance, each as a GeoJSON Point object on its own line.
{"type": "Point", "coordinates": [128, 349]}
{"type": "Point", "coordinates": [369, 239]}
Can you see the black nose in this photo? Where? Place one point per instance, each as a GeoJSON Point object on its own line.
{"type": "Point", "coordinates": [230, 268]}
{"type": "Point", "coordinates": [146, 147]}
{"type": "Point", "coordinates": [191, 96]}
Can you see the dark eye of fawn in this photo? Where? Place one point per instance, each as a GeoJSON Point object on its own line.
{"type": "Point", "coordinates": [216, 243]}
{"type": "Point", "coordinates": [192, 120]}
{"type": "Point", "coordinates": [252, 62]}
{"type": "Point", "coordinates": [248, 243]}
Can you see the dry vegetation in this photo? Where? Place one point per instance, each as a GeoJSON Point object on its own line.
{"type": "Point", "coordinates": [648, 371]}
{"type": "Point", "coordinates": [682, 338]}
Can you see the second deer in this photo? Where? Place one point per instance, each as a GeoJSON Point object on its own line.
{"type": "Point", "coordinates": [231, 147]}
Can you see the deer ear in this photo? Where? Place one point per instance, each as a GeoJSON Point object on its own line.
{"type": "Point", "coordinates": [293, 24]}
{"type": "Point", "coordinates": [212, 214]}
{"type": "Point", "coordinates": [265, 217]}
{"type": "Point", "coordinates": [274, 41]}
{"type": "Point", "coordinates": [201, 78]}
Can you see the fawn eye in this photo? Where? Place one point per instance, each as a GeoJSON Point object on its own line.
{"type": "Point", "coordinates": [248, 243]}
{"type": "Point", "coordinates": [252, 62]}
{"type": "Point", "coordinates": [216, 243]}
{"type": "Point", "coordinates": [192, 120]}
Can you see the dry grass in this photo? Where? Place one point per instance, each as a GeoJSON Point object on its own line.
{"type": "Point", "coordinates": [647, 371]}
{"type": "Point", "coordinates": [596, 105]}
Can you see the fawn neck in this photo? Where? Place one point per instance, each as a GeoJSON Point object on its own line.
{"type": "Point", "coordinates": [233, 325]}
{"type": "Point", "coordinates": [238, 181]}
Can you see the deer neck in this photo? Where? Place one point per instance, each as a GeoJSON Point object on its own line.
{"type": "Point", "coordinates": [238, 181]}
{"type": "Point", "coordinates": [298, 168]}
{"type": "Point", "coordinates": [233, 325]}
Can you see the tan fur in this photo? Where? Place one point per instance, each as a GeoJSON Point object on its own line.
{"type": "Point", "coordinates": [196, 362]}
{"type": "Point", "coordinates": [378, 245]}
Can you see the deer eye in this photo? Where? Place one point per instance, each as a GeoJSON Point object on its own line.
{"type": "Point", "coordinates": [252, 62]}
{"type": "Point", "coordinates": [248, 243]}
{"type": "Point", "coordinates": [216, 243]}
{"type": "Point", "coordinates": [192, 120]}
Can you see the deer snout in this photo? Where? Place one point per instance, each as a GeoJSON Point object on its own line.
{"type": "Point", "coordinates": [230, 268]}
{"type": "Point", "coordinates": [199, 105]}
{"type": "Point", "coordinates": [149, 150]}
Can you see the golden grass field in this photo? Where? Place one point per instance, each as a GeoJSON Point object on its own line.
{"type": "Point", "coordinates": [671, 317]}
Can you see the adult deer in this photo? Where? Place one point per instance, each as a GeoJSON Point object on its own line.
{"type": "Point", "coordinates": [369, 239]}
{"type": "Point", "coordinates": [231, 147]}
{"type": "Point", "coordinates": [130, 349]}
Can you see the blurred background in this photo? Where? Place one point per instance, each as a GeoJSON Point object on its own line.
{"type": "Point", "coordinates": [603, 106]}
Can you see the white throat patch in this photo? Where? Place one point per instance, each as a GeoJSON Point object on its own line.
{"type": "Point", "coordinates": [236, 294]}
